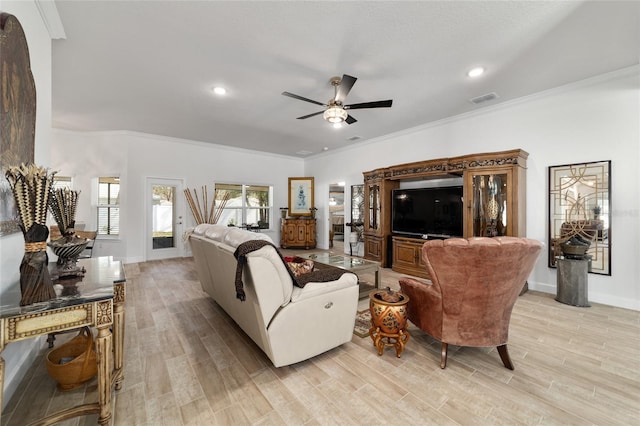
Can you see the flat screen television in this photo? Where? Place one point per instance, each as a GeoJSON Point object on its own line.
{"type": "Point", "coordinates": [431, 212]}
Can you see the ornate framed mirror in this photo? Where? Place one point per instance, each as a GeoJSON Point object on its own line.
{"type": "Point", "coordinates": [357, 210]}
{"type": "Point", "coordinates": [580, 208]}
{"type": "Point", "coordinates": [357, 203]}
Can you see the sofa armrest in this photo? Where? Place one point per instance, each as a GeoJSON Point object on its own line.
{"type": "Point", "coordinates": [313, 289]}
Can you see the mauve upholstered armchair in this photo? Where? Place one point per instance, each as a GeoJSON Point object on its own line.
{"type": "Point", "coordinates": [474, 284]}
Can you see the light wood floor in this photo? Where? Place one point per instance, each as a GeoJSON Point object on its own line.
{"type": "Point", "coordinates": [187, 363]}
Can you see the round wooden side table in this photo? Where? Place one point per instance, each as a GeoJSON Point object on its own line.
{"type": "Point", "coordinates": [388, 320]}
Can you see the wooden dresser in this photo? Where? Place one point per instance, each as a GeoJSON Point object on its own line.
{"type": "Point", "coordinates": [298, 233]}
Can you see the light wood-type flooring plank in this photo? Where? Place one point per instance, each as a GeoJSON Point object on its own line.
{"type": "Point", "coordinates": [188, 363]}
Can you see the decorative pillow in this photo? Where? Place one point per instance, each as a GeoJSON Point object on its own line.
{"type": "Point", "coordinates": [299, 266]}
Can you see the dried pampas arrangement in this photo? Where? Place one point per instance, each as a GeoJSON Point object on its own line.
{"type": "Point", "coordinates": [63, 204]}
{"type": "Point", "coordinates": [31, 186]}
{"type": "Point", "coordinates": [204, 215]}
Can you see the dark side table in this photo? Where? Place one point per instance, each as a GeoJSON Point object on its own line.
{"type": "Point", "coordinates": [572, 277]}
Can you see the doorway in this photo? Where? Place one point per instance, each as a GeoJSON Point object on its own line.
{"type": "Point", "coordinates": [164, 218]}
{"type": "Point", "coordinates": [336, 216]}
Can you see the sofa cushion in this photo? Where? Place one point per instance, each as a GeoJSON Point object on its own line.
{"type": "Point", "coordinates": [201, 229]}
{"type": "Point", "coordinates": [216, 232]}
{"type": "Point", "coordinates": [234, 237]}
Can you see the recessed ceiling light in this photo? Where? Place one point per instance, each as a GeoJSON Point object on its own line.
{"type": "Point", "coordinates": [326, 148]}
{"type": "Point", "coordinates": [219, 90]}
{"type": "Point", "coordinates": [476, 72]}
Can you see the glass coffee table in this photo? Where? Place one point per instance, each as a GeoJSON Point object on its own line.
{"type": "Point", "coordinates": [368, 272]}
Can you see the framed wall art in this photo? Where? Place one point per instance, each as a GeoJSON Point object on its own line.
{"type": "Point", "coordinates": [17, 113]}
{"type": "Point", "coordinates": [300, 196]}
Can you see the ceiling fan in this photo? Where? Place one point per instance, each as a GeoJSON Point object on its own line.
{"type": "Point", "coordinates": [336, 110]}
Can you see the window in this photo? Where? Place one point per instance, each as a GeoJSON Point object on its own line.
{"type": "Point", "coordinates": [243, 205]}
{"type": "Point", "coordinates": [108, 206]}
{"type": "Point", "coordinates": [61, 182]}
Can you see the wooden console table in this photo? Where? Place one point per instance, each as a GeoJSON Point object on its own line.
{"type": "Point", "coordinates": [297, 232]}
{"type": "Point", "coordinates": [95, 300]}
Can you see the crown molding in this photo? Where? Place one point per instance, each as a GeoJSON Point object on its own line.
{"type": "Point", "coordinates": [51, 18]}
{"type": "Point", "coordinates": [171, 139]}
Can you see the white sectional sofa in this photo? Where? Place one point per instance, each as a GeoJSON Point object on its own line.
{"type": "Point", "coordinates": [289, 323]}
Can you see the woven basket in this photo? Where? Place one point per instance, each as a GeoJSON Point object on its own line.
{"type": "Point", "coordinates": [82, 365]}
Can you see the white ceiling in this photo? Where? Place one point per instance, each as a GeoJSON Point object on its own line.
{"type": "Point", "coordinates": [149, 66]}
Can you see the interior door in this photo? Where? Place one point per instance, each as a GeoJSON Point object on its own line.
{"type": "Point", "coordinates": [164, 218]}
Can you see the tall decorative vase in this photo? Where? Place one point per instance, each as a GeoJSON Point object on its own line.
{"type": "Point", "coordinates": [63, 204]}
{"type": "Point", "coordinates": [389, 320]}
{"type": "Point", "coordinates": [31, 187]}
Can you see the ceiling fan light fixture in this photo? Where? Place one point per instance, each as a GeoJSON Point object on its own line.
{"type": "Point", "coordinates": [335, 114]}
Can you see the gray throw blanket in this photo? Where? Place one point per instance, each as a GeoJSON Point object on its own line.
{"type": "Point", "coordinates": [321, 275]}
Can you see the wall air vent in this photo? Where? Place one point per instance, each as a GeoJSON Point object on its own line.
{"type": "Point", "coordinates": [484, 98]}
{"type": "Point", "coordinates": [354, 138]}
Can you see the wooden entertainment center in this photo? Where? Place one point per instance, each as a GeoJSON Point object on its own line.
{"type": "Point", "coordinates": [494, 186]}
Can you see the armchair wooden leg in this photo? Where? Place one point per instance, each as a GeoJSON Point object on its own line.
{"type": "Point", "coordinates": [504, 356]}
{"type": "Point", "coordinates": [443, 356]}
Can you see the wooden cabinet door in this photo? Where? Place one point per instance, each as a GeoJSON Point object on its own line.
{"type": "Point", "coordinates": [310, 234]}
{"type": "Point", "coordinates": [373, 248]}
{"type": "Point", "coordinates": [489, 198]}
{"type": "Point", "coordinates": [301, 234]}
{"type": "Point", "coordinates": [407, 257]}
{"type": "Point", "coordinates": [406, 254]}
{"type": "Point", "coordinates": [372, 223]}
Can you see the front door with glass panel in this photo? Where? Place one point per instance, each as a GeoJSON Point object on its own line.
{"type": "Point", "coordinates": [164, 218]}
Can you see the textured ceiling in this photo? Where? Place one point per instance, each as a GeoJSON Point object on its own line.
{"type": "Point", "coordinates": [149, 66]}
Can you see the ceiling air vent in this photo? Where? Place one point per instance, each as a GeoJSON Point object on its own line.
{"type": "Point", "coordinates": [303, 153]}
{"type": "Point", "coordinates": [354, 138]}
{"type": "Point", "coordinates": [484, 98]}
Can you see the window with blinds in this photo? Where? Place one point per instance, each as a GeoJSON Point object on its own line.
{"type": "Point", "coordinates": [108, 206]}
{"type": "Point", "coordinates": [61, 182]}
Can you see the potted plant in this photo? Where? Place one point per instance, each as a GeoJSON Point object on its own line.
{"type": "Point", "coordinates": [596, 211]}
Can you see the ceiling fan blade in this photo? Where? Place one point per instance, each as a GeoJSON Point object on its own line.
{"type": "Point", "coordinates": [376, 104]}
{"type": "Point", "coordinates": [345, 86]}
{"type": "Point", "coordinates": [350, 120]}
{"type": "Point", "coordinates": [291, 95]}
{"type": "Point", "coordinates": [310, 115]}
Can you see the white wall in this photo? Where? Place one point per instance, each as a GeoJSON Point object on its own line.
{"type": "Point", "coordinates": [588, 121]}
{"type": "Point", "coordinates": [594, 120]}
{"type": "Point", "coordinates": [18, 356]}
{"type": "Point", "coordinates": [136, 156]}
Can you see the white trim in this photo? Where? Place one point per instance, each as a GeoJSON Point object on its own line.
{"type": "Point", "coordinates": [593, 297]}
{"type": "Point", "coordinates": [51, 18]}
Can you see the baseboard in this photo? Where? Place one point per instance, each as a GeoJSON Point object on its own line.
{"type": "Point", "coordinates": [594, 297]}
{"type": "Point", "coordinates": [25, 353]}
